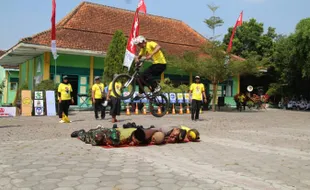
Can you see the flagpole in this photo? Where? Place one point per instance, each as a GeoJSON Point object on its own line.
{"type": "Point", "coordinates": [55, 71]}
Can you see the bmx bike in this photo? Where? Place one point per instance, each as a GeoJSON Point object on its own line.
{"type": "Point", "coordinates": [124, 85]}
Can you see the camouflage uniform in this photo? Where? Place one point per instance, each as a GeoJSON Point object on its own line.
{"type": "Point", "coordinates": [100, 136]}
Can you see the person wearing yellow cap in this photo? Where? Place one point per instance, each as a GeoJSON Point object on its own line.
{"type": "Point", "coordinates": [191, 134]}
{"type": "Point", "coordinates": [196, 91]}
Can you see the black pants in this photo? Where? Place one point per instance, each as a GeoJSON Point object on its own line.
{"type": "Point", "coordinates": [64, 108]}
{"type": "Point", "coordinates": [99, 107]}
{"type": "Point", "coordinates": [196, 104]}
{"type": "Point", "coordinates": [115, 106]}
{"type": "Point", "coordinates": [151, 72]}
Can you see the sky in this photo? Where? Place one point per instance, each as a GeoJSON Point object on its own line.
{"type": "Point", "coordinates": [23, 18]}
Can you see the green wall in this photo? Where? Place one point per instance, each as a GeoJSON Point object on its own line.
{"type": "Point", "coordinates": [13, 77]}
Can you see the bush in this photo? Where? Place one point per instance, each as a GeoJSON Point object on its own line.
{"type": "Point", "coordinates": [46, 85]}
{"type": "Point", "coordinates": [167, 86]}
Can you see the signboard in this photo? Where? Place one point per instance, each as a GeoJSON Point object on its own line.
{"type": "Point", "coordinates": [180, 98]}
{"type": "Point", "coordinates": [38, 95]}
{"type": "Point", "coordinates": [50, 103]}
{"type": "Point", "coordinates": [127, 101]}
{"type": "Point", "coordinates": [38, 111]}
{"type": "Point", "coordinates": [134, 95]}
{"type": "Point", "coordinates": [144, 100]}
{"type": "Point", "coordinates": [173, 98]}
{"type": "Point", "coordinates": [7, 111]}
{"type": "Point", "coordinates": [38, 103]}
{"type": "Point", "coordinates": [26, 102]}
{"type": "Point", "coordinates": [186, 98]}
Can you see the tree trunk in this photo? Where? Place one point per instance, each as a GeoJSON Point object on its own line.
{"type": "Point", "coordinates": [190, 78]}
{"type": "Point", "coordinates": [214, 95]}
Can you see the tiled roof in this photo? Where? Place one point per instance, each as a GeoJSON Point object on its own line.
{"type": "Point", "coordinates": [2, 52]}
{"type": "Point", "coordinates": [91, 27]}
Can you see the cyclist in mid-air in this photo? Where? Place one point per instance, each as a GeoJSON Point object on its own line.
{"type": "Point", "coordinates": [150, 50]}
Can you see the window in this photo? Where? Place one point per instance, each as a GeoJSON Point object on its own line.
{"type": "Point", "coordinates": [13, 85]}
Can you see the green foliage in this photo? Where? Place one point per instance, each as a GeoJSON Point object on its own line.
{"type": "Point", "coordinates": [291, 61]}
{"type": "Point", "coordinates": [2, 86]}
{"type": "Point", "coordinates": [214, 21]}
{"type": "Point", "coordinates": [46, 85]}
{"type": "Point", "coordinates": [274, 89]}
{"type": "Point", "coordinates": [167, 86]}
{"type": "Point", "coordinates": [115, 56]}
{"type": "Point", "coordinates": [250, 39]}
{"type": "Point", "coordinates": [188, 62]}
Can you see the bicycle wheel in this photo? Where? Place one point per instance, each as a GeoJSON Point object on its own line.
{"type": "Point", "coordinates": [159, 105]}
{"type": "Point", "coordinates": [123, 86]}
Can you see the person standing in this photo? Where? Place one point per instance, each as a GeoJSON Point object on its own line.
{"type": "Point", "coordinates": [115, 101]}
{"type": "Point", "coordinates": [98, 97]}
{"type": "Point", "coordinates": [197, 90]}
{"type": "Point", "coordinates": [64, 98]}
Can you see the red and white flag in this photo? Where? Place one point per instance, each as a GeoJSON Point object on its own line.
{"type": "Point", "coordinates": [141, 6]}
{"type": "Point", "coordinates": [131, 48]}
{"type": "Point", "coordinates": [238, 23]}
{"type": "Point", "coordinates": [53, 33]}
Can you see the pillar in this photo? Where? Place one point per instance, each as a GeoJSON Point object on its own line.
{"type": "Point", "coordinates": [238, 89]}
{"type": "Point", "coordinates": [47, 65]}
{"type": "Point", "coordinates": [91, 71]}
{"type": "Point", "coordinates": [190, 77]}
{"type": "Point", "coordinates": [162, 77]}
{"type": "Point", "coordinates": [27, 71]}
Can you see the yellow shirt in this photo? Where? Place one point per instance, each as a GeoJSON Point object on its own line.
{"type": "Point", "coordinates": [98, 88]}
{"type": "Point", "coordinates": [65, 90]}
{"type": "Point", "coordinates": [158, 58]}
{"type": "Point", "coordinates": [118, 89]}
{"type": "Point", "coordinates": [197, 90]}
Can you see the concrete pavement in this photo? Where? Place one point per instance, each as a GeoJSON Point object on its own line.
{"type": "Point", "coordinates": [247, 150]}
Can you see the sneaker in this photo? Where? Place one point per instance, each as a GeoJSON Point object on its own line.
{"type": "Point", "coordinates": [61, 121]}
{"type": "Point", "coordinates": [157, 89]}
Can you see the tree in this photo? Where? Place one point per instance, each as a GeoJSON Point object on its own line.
{"type": "Point", "coordinates": [250, 39]}
{"type": "Point", "coordinates": [291, 62]}
{"type": "Point", "coordinates": [115, 56]}
{"type": "Point", "coordinates": [302, 46]}
{"type": "Point", "coordinates": [188, 62]}
{"type": "Point", "coordinates": [217, 68]}
{"type": "Point", "coordinates": [213, 21]}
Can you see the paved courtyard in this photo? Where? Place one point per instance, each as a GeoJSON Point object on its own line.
{"type": "Point", "coordinates": [247, 150]}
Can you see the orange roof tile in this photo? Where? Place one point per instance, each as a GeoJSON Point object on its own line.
{"type": "Point", "coordinates": [91, 27]}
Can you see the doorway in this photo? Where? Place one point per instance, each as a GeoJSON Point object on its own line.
{"type": "Point", "coordinates": [74, 81]}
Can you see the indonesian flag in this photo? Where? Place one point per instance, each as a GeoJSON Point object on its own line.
{"type": "Point", "coordinates": [53, 33]}
{"type": "Point", "coordinates": [131, 48]}
{"type": "Point", "coordinates": [141, 6]}
{"type": "Point", "coordinates": [238, 23]}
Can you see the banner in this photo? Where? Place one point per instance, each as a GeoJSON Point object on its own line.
{"type": "Point", "coordinates": [186, 97]}
{"type": "Point", "coordinates": [180, 98]}
{"type": "Point", "coordinates": [173, 98]}
{"type": "Point", "coordinates": [53, 32]}
{"type": "Point", "coordinates": [127, 101]}
{"type": "Point", "coordinates": [38, 95]}
{"type": "Point", "coordinates": [7, 111]}
{"type": "Point", "coordinates": [131, 48]}
{"type": "Point", "coordinates": [26, 103]}
{"type": "Point", "coordinates": [134, 95]}
{"type": "Point", "coordinates": [50, 103]}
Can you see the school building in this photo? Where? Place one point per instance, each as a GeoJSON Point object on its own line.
{"type": "Point", "coordinates": [83, 37]}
